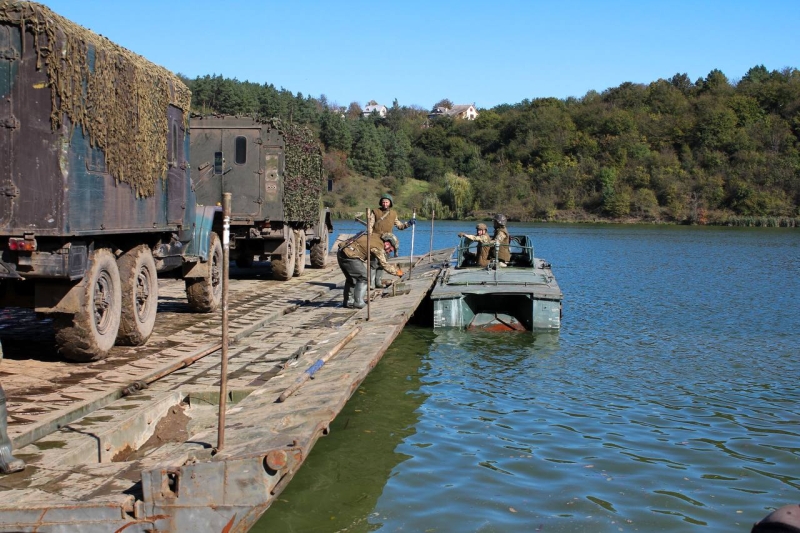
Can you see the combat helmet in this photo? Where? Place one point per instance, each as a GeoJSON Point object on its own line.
{"type": "Point", "coordinates": [499, 220]}
{"type": "Point", "coordinates": [388, 197]}
{"type": "Point", "coordinates": [482, 226]}
{"type": "Point", "coordinates": [786, 518]}
{"type": "Point", "coordinates": [391, 239]}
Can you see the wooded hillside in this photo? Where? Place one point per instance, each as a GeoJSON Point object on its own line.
{"type": "Point", "coordinates": [708, 151]}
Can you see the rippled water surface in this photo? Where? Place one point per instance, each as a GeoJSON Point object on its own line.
{"type": "Point", "coordinates": [670, 400]}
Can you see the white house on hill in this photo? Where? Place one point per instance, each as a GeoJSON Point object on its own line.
{"type": "Point", "coordinates": [380, 109]}
{"type": "Point", "coordinates": [465, 111]}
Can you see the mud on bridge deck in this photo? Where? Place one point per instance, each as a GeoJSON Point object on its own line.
{"type": "Point", "coordinates": [129, 442]}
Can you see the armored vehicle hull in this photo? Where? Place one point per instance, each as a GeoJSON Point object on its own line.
{"type": "Point", "coordinates": [522, 295]}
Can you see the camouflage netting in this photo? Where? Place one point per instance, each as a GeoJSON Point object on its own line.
{"type": "Point", "coordinates": [303, 179]}
{"type": "Point", "coordinates": [119, 98]}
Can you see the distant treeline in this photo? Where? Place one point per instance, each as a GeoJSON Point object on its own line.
{"type": "Point", "coordinates": [709, 151]}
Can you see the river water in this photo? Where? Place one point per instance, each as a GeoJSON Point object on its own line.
{"type": "Point", "coordinates": [669, 401]}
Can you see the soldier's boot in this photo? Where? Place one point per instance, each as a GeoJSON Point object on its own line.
{"type": "Point", "coordinates": [360, 294]}
{"type": "Point", "coordinates": [378, 278]}
{"type": "Point", "coordinates": [8, 463]}
{"type": "Point", "coordinates": [347, 297]}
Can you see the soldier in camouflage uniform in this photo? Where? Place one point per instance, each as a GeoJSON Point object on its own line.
{"type": "Point", "coordinates": [501, 236]}
{"type": "Point", "coordinates": [384, 221]}
{"type": "Point", "coordinates": [8, 463]}
{"type": "Point", "coordinates": [485, 244]}
{"type": "Point", "coordinates": [352, 257]}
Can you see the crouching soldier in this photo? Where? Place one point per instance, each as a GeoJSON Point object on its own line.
{"type": "Point", "coordinates": [485, 243]}
{"type": "Point", "coordinates": [353, 256]}
{"type": "Point", "coordinates": [385, 221]}
{"type": "Point", "coordinates": [8, 463]}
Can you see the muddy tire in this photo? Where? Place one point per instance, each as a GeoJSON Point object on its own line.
{"type": "Point", "coordinates": [139, 280]}
{"type": "Point", "coordinates": [205, 294]}
{"type": "Point", "coordinates": [283, 267]}
{"type": "Point", "coordinates": [89, 333]}
{"type": "Point", "coordinates": [319, 250]}
{"type": "Point", "coordinates": [300, 246]}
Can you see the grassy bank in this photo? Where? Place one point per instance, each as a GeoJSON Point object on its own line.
{"type": "Point", "coordinates": [352, 194]}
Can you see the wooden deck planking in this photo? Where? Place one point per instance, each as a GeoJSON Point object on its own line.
{"type": "Point", "coordinates": [279, 329]}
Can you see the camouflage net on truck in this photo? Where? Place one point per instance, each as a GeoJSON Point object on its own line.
{"type": "Point", "coordinates": [118, 98]}
{"type": "Point", "coordinates": [303, 179]}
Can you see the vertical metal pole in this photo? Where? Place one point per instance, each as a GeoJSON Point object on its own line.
{"type": "Point", "coordinates": [430, 256]}
{"type": "Point", "coordinates": [496, 258]}
{"type": "Point", "coordinates": [411, 257]}
{"type": "Point", "coordinates": [369, 266]}
{"type": "Point", "coordinates": [223, 382]}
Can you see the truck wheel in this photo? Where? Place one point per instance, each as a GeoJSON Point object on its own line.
{"type": "Point", "coordinates": [319, 250]}
{"type": "Point", "coordinates": [283, 268]}
{"type": "Point", "coordinates": [139, 278]}
{"type": "Point", "coordinates": [89, 333]}
{"type": "Point", "coordinates": [205, 294]}
{"type": "Point", "coordinates": [300, 245]}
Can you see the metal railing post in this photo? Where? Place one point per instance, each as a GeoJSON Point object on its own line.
{"type": "Point", "coordinates": [223, 382]}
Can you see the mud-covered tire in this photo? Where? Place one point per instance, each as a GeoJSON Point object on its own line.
{"type": "Point", "coordinates": [300, 246]}
{"type": "Point", "coordinates": [139, 281]}
{"type": "Point", "coordinates": [205, 294]}
{"type": "Point", "coordinates": [283, 267]}
{"type": "Point", "coordinates": [319, 250]}
{"type": "Point", "coordinates": [89, 333]}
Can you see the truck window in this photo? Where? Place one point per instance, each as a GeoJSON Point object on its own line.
{"type": "Point", "coordinates": [240, 157]}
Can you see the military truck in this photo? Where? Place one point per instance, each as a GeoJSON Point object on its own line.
{"type": "Point", "coordinates": [274, 174]}
{"type": "Point", "coordinates": [95, 193]}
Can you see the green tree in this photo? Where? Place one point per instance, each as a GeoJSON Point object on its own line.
{"type": "Point", "coordinates": [335, 133]}
{"type": "Point", "coordinates": [368, 155]}
{"type": "Point", "coordinates": [398, 151]}
{"type": "Point", "coordinates": [459, 193]}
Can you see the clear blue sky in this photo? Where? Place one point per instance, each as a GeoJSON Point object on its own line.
{"type": "Point", "coordinates": [420, 51]}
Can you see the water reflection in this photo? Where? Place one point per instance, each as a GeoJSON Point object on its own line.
{"type": "Point", "coordinates": [339, 484]}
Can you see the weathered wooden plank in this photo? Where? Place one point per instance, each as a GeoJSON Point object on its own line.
{"type": "Point", "coordinates": [183, 483]}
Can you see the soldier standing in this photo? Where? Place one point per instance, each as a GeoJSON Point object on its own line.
{"type": "Point", "coordinates": [501, 236]}
{"type": "Point", "coordinates": [384, 221]}
{"type": "Point", "coordinates": [353, 256]}
{"type": "Point", "coordinates": [481, 256]}
{"type": "Point", "coordinates": [8, 463]}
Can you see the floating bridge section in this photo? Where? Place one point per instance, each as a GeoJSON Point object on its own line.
{"type": "Point", "coordinates": [128, 443]}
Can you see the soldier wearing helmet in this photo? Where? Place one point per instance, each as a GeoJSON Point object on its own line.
{"type": "Point", "coordinates": [353, 256]}
{"type": "Point", "coordinates": [481, 257]}
{"type": "Point", "coordinates": [384, 221]}
{"type": "Point", "coordinates": [501, 236]}
{"type": "Point", "coordinates": [8, 463]}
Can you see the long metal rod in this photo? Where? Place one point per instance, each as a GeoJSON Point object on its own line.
{"type": "Point", "coordinates": [310, 371]}
{"type": "Point", "coordinates": [226, 255]}
{"type": "Point", "coordinates": [433, 215]}
{"type": "Point", "coordinates": [411, 256]}
{"type": "Point", "coordinates": [369, 265]}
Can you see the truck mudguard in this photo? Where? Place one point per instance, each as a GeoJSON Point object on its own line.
{"type": "Point", "coordinates": [204, 219]}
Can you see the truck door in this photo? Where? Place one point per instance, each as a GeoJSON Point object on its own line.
{"type": "Point", "coordinates": [272, 156]}
{"type": "Point", "coordinates": [9, 124]}
{"type": "Point", "coordinates": [245, 178]}
{"type": "Point", "coordinates": [206, 142]}
{"type": "Point", "coordinates": [176, 173]}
